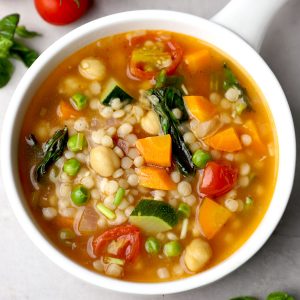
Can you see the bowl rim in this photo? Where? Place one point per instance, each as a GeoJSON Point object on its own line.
{"type": "Point", "coordinates": [134, 18]}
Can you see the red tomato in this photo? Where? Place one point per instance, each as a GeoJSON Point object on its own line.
{"type": "Point", "coordinates": [130, 237]}
{"type": "Point", "coordinates": [172, 47]}
{"type": "Point", "coordinates": [218, 179]}
{"type": "Point", "coordinates": [61, 12]}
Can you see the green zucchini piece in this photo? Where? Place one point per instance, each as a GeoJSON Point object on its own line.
{"type": "Point", "coordinates": [153, 216]}
{"type": "Point", "coordinates": [113, 90]}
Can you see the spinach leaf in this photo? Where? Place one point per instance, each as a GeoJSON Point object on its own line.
{"type": "Point", "coordinates": [5, 45]}
{"type": "Point", "coordinates": [230, 78]}
{"type": "Point", "coordinates": [53, 150]}
{"type": "Point", "coordinates": [168, 99]}
{"type": "Point", "coordinates": [6, 71]}
{"type": "Point", "coordinates": [8, 26]}
{"type": "Point", "coordinates": [27, 55]}
{"type": "Point", "coordinates": [22, 31]}
{"type": "Point", "coordinates": [163, 80]}
{"type": "Point", "coordinates": [280, 296]}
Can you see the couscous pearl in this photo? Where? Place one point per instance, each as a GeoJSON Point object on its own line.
{"type": "Point", "coordinates": [65, 177]}
{"type": "Point", "coordinates": [175, 176]}
{"type": "Point", "coordinates": [138, 111]}
{"type": "Point", "coordinates": [133, 153]}
{"type": "Point", "coordinates": [123, 205]}
{"type": "Point", "coordinates": [118, 114]}
{"type": "Point", "coordinates": [106, 112]}
{"type": "Point", "coordinates": [118, 151]}
{"type": "Point", "coordinates": [243, 181]}
{"type": "Point", "coordinates": [102, 223]}
{"type": "Point", "coordinates": [163, 273]}
{"type": "Point", "coordinates": [109, 202]}
{"type": "Point", "coordinates": [120, 218]}
{"type": "Point", "coordinates": [233, 94]}
{"type": "Point", "coordinates": [214, 98]}
{"type": "Point", "coordinates": [246, 139]}
{"type": "Point", "coordinates": [117, 174]}
{"type": "Point", "coordinates": [225, 104]}
{"type": "Point", "coordinates": [49, 213]}
{"type": "Point", "coordinates": [97, 136]}
{"type": "Point", "coordinates": [126, 162]}
{"type": "Point", "coordinates": [132, 120]}
{"type": "Point", "coordinates": [116, 104]}
{"type": "Point", "coordinates": [184, 188]}
{"type": "Point", "coordinates": [88, 182]}
{"type": "Point", "coordinates": [81, 157]}
{"type": "Point", "coordinates": [64, 190]}
{"type": "Point", "coordinates": [102, 184]}
{"type": "Point", "coordinates": [107, 141]}
{"type": "Point", "coordinates": [173, 202]}
{"type": "Point", "coordinates": [174, 194]}
{"type": "Point", "coordinates": [138, 161]}
{"type": "Point", "coordinates": [161, 236]}
{"type": "Point", "coordinates": [111, 131]}
{"type": "Point", "coordinates": [177, 113]}
{"type": "Point", "coordinates": [215, 154]}
{"type": "Point", "coordinates": [95, 87]}
{"type": "Point", "coordinates": [114, 270]}
{"type": "Point", "coordinates": [196, 232]}
{"type": "Point", "coordinates": [95, 194]}
{"type": "Point", "coordinates": [244, 169]}
{"type": "Point", "coordinates": [190, 200]}
{"type": "Point", "coordinates": [59, 163]}
{"type": "Point", "coordinates": [225, 118]}
{"type": "Point", "coordinates": [178, 270]}
{"type": "Point", "coordinates": [133, 180]}
{"type": "Point", "coordinates": [111, 187]}
{"type": "Point", "coordinates": [172, 236]}
{"type": "Point", "coordinates": [123, 183]}
{"type": "Point", "coordinates": [231, 195]}
{"type": "Point", "coordinates": [124, 129]}
{"type": "Point", "coordinates": [131, 139]}
{"type": "Point", "coordinates": [130, 199]}
{"type": "Point", "coordinates": [81, 124]}
{"type": "Point", "coordinates": [194, 147]}
{"type": "Point", "coordinates": [189, 138]}
{"type": "Point", "coordinates": [158, 194]}
{"type": "Point", "coordinates": [143, 190]}
{"type": "Point", "coordinates": [69, 154]}
{"type": "Point", "coordinates": [231, 205]}
{"type": "Point", "coordinates": [68, 212]}
{"type": "Point", "coordinates": [229, 156]}
{"type": "Point", "coordinates": [128, 108]}
{"type": "Point", "coordinates": [129, 210]}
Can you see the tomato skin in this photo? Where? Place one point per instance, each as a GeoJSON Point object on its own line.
{"type": "Point", "coordinates": [61, 12]}
{"type": "Point", "coordinates": [131, 236]}
{"type": "Point", "coordinates": [217, 179]}
{"type": "Point", "coordinates": [173, 47]}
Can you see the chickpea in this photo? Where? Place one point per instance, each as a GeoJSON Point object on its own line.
{"type": "Point", "coordinates": [150, 123]}
{"type": "Point", "coordinates": [92, 68]}
{"type": "Point", "coordinates": [104, 161]}
{"type": "Point", "coordinates": [197, 254]}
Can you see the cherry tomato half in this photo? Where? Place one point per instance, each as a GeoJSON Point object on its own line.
{"type": "Point", "coordinates": [218, 179]}
{"type": "Point", "coordinates": [131, 240]}
{"type": "Point", "coordinates": [61, 12]}
{"type": "Point", "coordinates": [139, 69]}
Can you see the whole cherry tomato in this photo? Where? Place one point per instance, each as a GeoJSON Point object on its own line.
{"type": "Point", "coordinates": [217, 179]}
{"type": "Point", "coordinates": [61, 12]}
{"type": "Point", "coordinates": [128, 235]}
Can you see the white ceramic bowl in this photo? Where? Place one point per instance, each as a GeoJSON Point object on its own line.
{"type": "Point", "coordinates": [200, 28]}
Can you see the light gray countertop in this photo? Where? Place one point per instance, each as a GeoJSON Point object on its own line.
{"type": "Point", "coordinates": [25, 273]}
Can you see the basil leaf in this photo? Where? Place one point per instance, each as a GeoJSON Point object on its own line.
{"type": "Point", "coordinates": [5, 45]}
{"type": "Point", "coordinates": [27, 55]}
{"type": "Point", "coordinates": [6, 71]}
{"type": "Point", "coordinates": [22, 31]}
{"type": "Point", "coordinates": [8, 26]}
{"type": "Point", "coordinates": [280, 296]}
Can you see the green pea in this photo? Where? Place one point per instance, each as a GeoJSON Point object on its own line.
{"type": "Point", "coordinates": [79, 101]}
{"type": "Point", "coordinates": [72, 166]}
{"type": "Point", "coordinates": [80, 195]}
{"type": "Point", "coordinates": [152, 245]}
{"type": "Point", "coordinates": [77, 142]}
{"type": "Point", "coordinates": [200, 158]}
{"type": "Point", "coordinates": [184, 210]}
{"type": "Point", "coordinates": [66, 234]}
{"type": "Point", "coordinates": [172, 249]}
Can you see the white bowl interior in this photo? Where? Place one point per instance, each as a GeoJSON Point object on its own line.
{"type": "Point", "coordinates": [200, 28]}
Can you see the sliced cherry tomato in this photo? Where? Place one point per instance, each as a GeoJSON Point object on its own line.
{"type": "Point", "coordinates": [61, 12]}
{"type": "Point", "coordinates": [129, 235]}
{"type": "Point", "coordinates": [147, 70]}
{"type": "Point", "coordinates": [218, 179]}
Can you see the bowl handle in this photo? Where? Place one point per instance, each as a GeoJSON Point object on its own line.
{"type": "Point", "coordinates": [248, 18]}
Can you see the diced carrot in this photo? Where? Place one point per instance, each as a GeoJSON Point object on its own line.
{"type": "Point", "coordinates": [66, 111]}
{"type": "Point", "coordinates": [226, 140]}
{"type": "Point", "coordinates": [201, 108]}
{"type": "Point", "coordinates": [212, 217]}
{"type": "Point", "coordinates": [155, 178]}
{"type": "Point", "coordinates": [156, 150]}
{"type": "Point", "coordinates": [198, 60]}
{"type": "Point", "coordinates": [250, 128]}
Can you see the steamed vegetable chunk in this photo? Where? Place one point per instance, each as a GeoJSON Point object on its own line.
{"type": "Point", "coordinates": [151, 156]}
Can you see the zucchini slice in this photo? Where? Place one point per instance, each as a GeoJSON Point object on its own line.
{"type": "Point", "coordinates": [153, 216]}
{"type": "Point", "coordinates": [113, 90]}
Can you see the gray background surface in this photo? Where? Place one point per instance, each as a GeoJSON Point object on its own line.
{"type": "Point", "coordinates": [25, 273]}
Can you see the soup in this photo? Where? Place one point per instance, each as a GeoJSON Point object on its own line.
{"type": "Point", "coordinates": [152, 156]}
